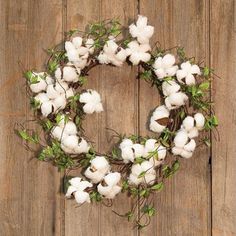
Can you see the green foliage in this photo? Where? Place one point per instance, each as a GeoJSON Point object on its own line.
{"type": "Point", "coordinates": [26, 136]}
{"type": "Point", "coordinates": [168, 171]}
{"type": "Point", "coordinates": [148, 209]}
{"type": "Point", "coordinates": [34, 103]}
{"type": "Point", "coordinates": [211, 122]}
{"type": "Point", "coordinates": [56, 155]}
{"type": "Point", "coordinates": [32, 77]}
{"type": "Point", "coordinates": [95, 196]}
{"type": "Point", "coordinates": [158, 186]}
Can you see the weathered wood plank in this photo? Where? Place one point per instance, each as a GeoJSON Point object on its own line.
{"type": "Point", "coordinates": [223, 59]}
{"type": "Point", "coordinates": [84, 220]}
{"type": "Point", "coordinates": [183, 208]}
{"type": "Point", "coordinates": [29, 201]}
{"type": "Point", "coordinates": [118, 88]}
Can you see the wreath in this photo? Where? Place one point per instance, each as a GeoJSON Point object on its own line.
{"type": "Point", "coordinates": [136, 165]}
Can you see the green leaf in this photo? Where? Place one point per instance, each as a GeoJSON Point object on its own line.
{"type": "Point", "coordinates": [142, 174]}
{"type": "Point", "coordinates": [205, 85]}
{"type": "Point", "coordinates": [158, 186]}
{"type": "Point", "coordinates": [125, 185]}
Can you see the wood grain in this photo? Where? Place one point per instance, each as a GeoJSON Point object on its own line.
{"type": "Point", "coordinates": [84, 220]}
{"type": "Point", "coordinates": [183, 208]}
{"type": "Point", "coordinates": [119, 91]}
{"type": "Point", "coordinates": [30, 199]}
{"type": "Point", "coordinates": [200, 200]}
{"type": "Point", "coordinates": [223, 59]}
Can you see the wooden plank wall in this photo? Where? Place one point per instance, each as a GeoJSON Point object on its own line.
{"type": "Point", "coordinates": [200, 200]}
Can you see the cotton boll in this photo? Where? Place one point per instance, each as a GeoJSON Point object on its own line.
{"type": "Point", "coordinates": [70, 74]}
{"type": "Point", "coordinates": [77, 42]}
{"type": "Point", "coordinates": [100, 162]}
{"type": "Point", "coordinates": [60, 102]}
{"type": "Point", "coordinates": [190, 146]}
{"type": "Point", "coordinates": [70, 128]}
{"type": "Point", "coordinates": [170, 87]}
{"type": "Point", "coordinates": [99, 107]}
{"type": "Point", "coordinates": [41, 97]}
{"type": "Point", "coordinates": [38, 87]}
{"type": "Point", "coordinates": [193, 133]}
{"type": "Point", "coordinates": [58, 133]}
{"type": "Point", "coordinates": [200, 120]}
{"type": "Point", "coordinates": [150, 179]}
{"type": "Point", "coordinates": [61, 87]}
{"type": "Point", "coordinates": [138, 150]}
{"type": "Point", "coordinates": [175, 100]}
{"type": "Point", "coordinates": [164, 66]}
{"type": "Point", "coordinates": [186, 154]}
{"type": "Point", "coordinates": [181, 138]}
{"type": "Point", "coordinates": [112, 178]}
{"type": "Point", "coordinates": [161, 152]}
{"type": "Point", "coordinates": [133, 179]}
{"type": "Point", "coordinates": [150, 145]}
{"type": "Point", "coordinates": [51, 92]}
{"type": "Point", "coordinates": [58, 74]}
{"type": "Point", "coordinates": [159, 113]}
{"type": "Point", "coordinates": [89, 108]}
{"type": "Point", "coordinates": [90, 45]}
{"type": "Point", "coordinates": [82, 197]}
{"type": "Point", "coordinates": [186, 72]}
{"type": "Point", "coordinates": [126, 143]}
{"type": "Point", "coordinates": [127, 154]}
{"type": "Point", "coordinates": [141, 30]}
{"type": "Point", "coordinates": [70, 141]}
{"type": "Point", "coordinates": [177, 150]}
{"type": "Point", "coordinates": [69, 93]}
{"type": "Point", "coordinates": [188, 123]}
{"type": "Point", "coordinates": [83, 147]}
{"type": "Point", "coordinates": [46, 108]}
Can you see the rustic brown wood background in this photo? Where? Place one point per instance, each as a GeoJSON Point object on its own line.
{"type": "Point", "coordinates": [200, 200]}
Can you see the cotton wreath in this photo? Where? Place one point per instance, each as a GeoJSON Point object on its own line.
{"type": "Point", "coordinates": [136, 165]}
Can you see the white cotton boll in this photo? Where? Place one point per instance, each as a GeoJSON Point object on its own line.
{"type": "Point", "coordinates": [138, 150]}
{"type": "Point", "coordinates": [181, 138]}
{"type": "Point", "coordinates": [69, 93]}
{"type": "Point", "coordinates": [67, 149]}
{"type": "Point", "coordinates": [133, 179]}
{"type": "Point", "coordinates": [136, 169]}
{"type": "Point", "coordinates": [77, 42]}
{"type": "Point", "coordinates": [200, 120]}
{"type": "Point", "coordinates": [190, 146]}
{"type": "Point", "coordinates": [127, 154]}
{"type": "Point", "coordinates": [94, 176]}
{"type": "Point", "coordinates": [164, 66]}
{"type": "Point", "coordinates": [83, 147]}
{"type": "Point", "coordinates": [141, 30]}
{"type": "Point", "coordinates": [112, 178]}
{"type": "Point", "coordinates": [70, 128]}
{"type": "Point", "coordinates": [70, 74]}
{"type": "Point", "coordinates": [150, 145]}
{"type": "Point", "coordinates": [61, 87]}
{"type": "Point", "coordinates": [103, 58]}
{"type": "Point", "coordinates": [170, 87]}
{"type": "Point", "coordinates": [40, 86]}
{"type": "Point", "coordinates": [41, 97]}
{"type": "Point", "coordinates": [100, 162]}
{"type": "Point", "coordinates": [150, 179]}
{"type": "Point", "coordinates": [58, 74]}
{"type": "Point", "coordinates": [186, 72]}
{"type": "Point", "coordinates": [90, 45]}
{"type": "Point", "coordinates": [73, 55]}
{"type": "Point", "coordinates": [161, 152]}
{"type": "Point", "coordinates": [58, 133]}
{"type": "Point", "coordinates": [159, 113]}
{"type": "Point", "coordinates": [178, 99]}
{"type": "Point", "coordinates": [148, 167]}
{"type": "Point", "coordinates": [60, 102]}
{"type": "Point", "coordinates": [51, 92]}
{"type": "Point", "coordinates": [177, 150]}
{"type": "Point", "coordinates": [86, 97]}
{"type": "Point", "coordinates": [126, 143]}
{"type": "Point", "coordinates": [188, 123]}
{"type": "Point", "coordinates": [99, 107]}
{"type": "Point", "coordinates": [186, 154]}
{"type": "Point", "coordinates": [89, 108]}
{"type": "Point", "coordinates": [70, 141]}
{"type": "Point", "coordinates": [46, 108]}
{"type": "Point", "coordinates": [193, 133]}
{"type": "Point", "coordinates": [69, 46]}
{"type": "Point", "coordinates": [155, 127]}
{"type": "Point", "coordinates": [82, 197]}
